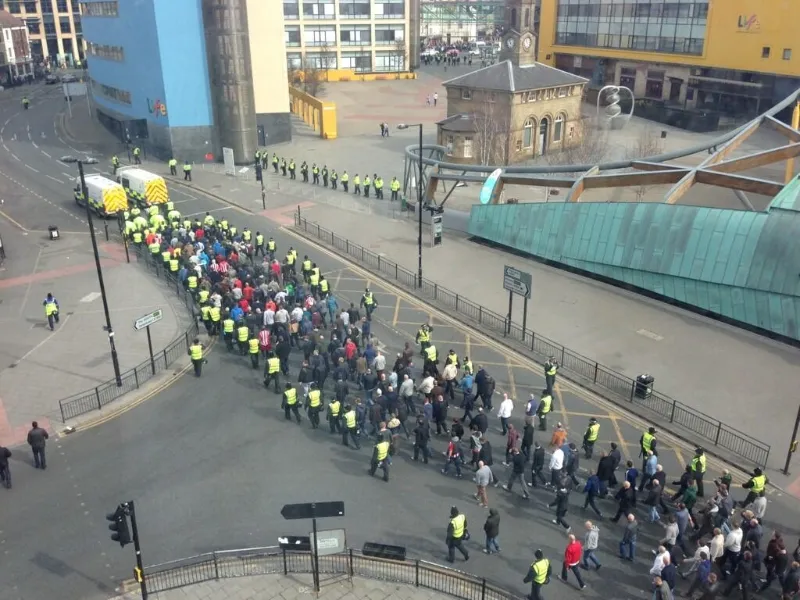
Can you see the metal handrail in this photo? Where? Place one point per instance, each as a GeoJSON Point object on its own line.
{"type": "Point", "coordinates": [613, 385]}
{"type": "Point", "coordinates": [272, 560]}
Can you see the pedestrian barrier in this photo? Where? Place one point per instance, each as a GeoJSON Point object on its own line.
{"type": "Point", "coordinates": [352, 563]}
{"type": "Point", "coordinates": [614, 386]}
{"type": "Point", "coordinates": [105, 393]}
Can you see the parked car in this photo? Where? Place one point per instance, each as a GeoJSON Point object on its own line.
{"type": "Point", "coordinates": [51, 80]}
{"type": "Point", "coordinates": [68, 79]}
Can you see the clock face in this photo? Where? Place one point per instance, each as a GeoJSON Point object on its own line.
{"type": "Point", "coordinates": [510, 43]}
{"type": "Point", "coordinates": [526, 43]}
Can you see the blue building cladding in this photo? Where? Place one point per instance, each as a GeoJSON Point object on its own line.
{"type": "Point", "coordinates": [164, 70]}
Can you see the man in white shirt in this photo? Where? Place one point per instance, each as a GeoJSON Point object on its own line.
{"type": "Point", "coordinates": [556, 466]}
{"type": "Point", "coordinates": [282, 316]}
{"type": "Point", "coordinates": [693, 562]}
{"type": "Point", "coordinates": [449, 374]}
{"type": "Point", "coordinates": [297, 314]}
{"type": "Point", "coordinates": [379, 364]}
{"type": "Point", "coordinates": [345, 318]}
{"type": "Point", "coordinates": [269, 317]}
{"type": "Point", "coordinates": [504, 412]}
{"type": "Point", "coordinates": [425, 386]}
{"type": "Point", "coordinates": [662, 555]}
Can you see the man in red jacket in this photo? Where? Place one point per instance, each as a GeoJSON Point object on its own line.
{"type": "Point", "coordinates": [572, 556]}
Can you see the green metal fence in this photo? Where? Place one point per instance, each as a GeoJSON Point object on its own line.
{"type": "Point", "coordinates": [614, 386]}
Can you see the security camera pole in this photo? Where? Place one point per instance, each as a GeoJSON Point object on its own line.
{"type": "Point", "coordinates": [108, 328]}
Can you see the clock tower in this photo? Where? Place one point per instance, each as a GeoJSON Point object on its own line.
{"type": "Point", "coordinates": [519, 39]}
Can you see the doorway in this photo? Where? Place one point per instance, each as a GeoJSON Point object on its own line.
{"type": "Point", "coordinates": [675, 89]}
{"type": "Point", "coordinates": [544, 131]}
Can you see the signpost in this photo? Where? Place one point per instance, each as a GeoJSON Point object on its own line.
{"type": "Point", "coordinates": [144, 322]}
{"type": "Point", "coordinates": [328, 540]}
{"type": "Point", "coordinates": [75, 88]}
{"type": "Point", "coordinates": [436, 230]}
{"type": "Point", "coordinates": [228, 160]}
{"type": "Point", "coordinates": [520, 283]}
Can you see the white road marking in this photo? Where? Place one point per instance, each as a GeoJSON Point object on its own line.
{"type": "Point", "coordinates": [7, 149]}
{"type": "Point", "coordinates": [31, 168]}
{"type": "Point", "coordinates": [90, 297]}
{"type": "Point", "coordinates": [35, 145]}
{"type": "Point", "coordinates": [45, 153]}
{"type": "Point", "coordinates": [188, 195]}
{"type": "Point", "coordinates": [44, 341]}
{"type": "Point", "coordinates": [55, 179]}
{"type": "Point", "coordinates": [15, 156]}
{"type": "Point", "coordinates": [67, 175]}
{"type": "Point", "coordinates": [650, 334]}
{"type": "Point", "coordinates": [209, 211]}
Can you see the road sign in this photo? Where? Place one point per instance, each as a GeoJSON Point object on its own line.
{"type": "Point", "coordinates": [329, 542]}
{"type": "Point", "coordinates": [229, 161]}
{"type": "Point", "coordinates": [148, 319]}
{"type": "Point", "coordinates": [295, 543]}
{"type": "Point", "coordinates": [517, 282]}
{"type": "Point", "coordinates": [312, 510]}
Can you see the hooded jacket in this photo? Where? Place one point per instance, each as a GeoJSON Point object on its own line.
{"type": "Point", "coordinates": [492, 525]}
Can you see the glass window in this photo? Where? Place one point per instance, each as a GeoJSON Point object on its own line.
{"type": "Point", "coordinates": [787, 54]}
{"type": "Point", "coordinates": [64, 25]}
{"type": "Point", "coordinates": [389, 34]}
{"type": "Point", "coordinates": [34, 27]}
{"type": "Point", "coordinates": [291, 10]}
{"type": "Point", "coordinates": [62, 6]}
{"type": "Point", "coordinates": [466, 94]}
{"type": "Point", "coordinates": [294, 60]}
{"type": "Point", "coordinates": [322, 60]}
{"type": "Point", "coordinates": [14, 8]}
{"type": "Point", "coordinates": [450, 143]}
{"type": "Point", "coordinates": [360, 62]}
{"type": "Point", "coordinates": [765, 52]}
{"type": "Point", "coordinates": [112, 93]}
{"type": "Point", "coordinates": [467, 147]}
{"type": "Point", "coordinates": [49, 28]}
{"type": "Point", "coordinates": [319, 9]}
{"type": "Point", "coordinates": [109, 8]}
{"type": "Point", "coordinates": [389, 61]}
{"type": "Point", "coordinates": [527, 134]}
{"type": "Point", "coordinates": [30, 7]}
{"type": "Point", "coordinates": [319, 35]}
{"type": "Point", "coordinates": [389, 9]}
{"type": "Point", "coordinates": [354, 9]}
{"type": "Point", "coordinates": [291, 35]}
{"type": "Point", "coordinates": [654, 89]}
{"type": "Point", "coordinates": [558, 128]}
{"type": "Point", "coordinates": [355, 35]}
{"type": "Point", "coordinates": [108, 52]}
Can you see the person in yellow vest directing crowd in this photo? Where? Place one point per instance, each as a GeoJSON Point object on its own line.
{"type": "Point", "coordinates": [314, 405]}
{"type": "Point", "coordinates": [272, 372]}
{"type": "Point", "coordinates": [550, 370]}
{"type": "Point", "coordinates": [369, 303]}
{"type": "Point", "coordinates": [456, 535]}
{"type": "Point", "coordinates": [290, 404]}
{"type": "Point", "coordinates": [544, 408]}
{"type": "Point", "coordinates": [380, 458]}
{"type": "Point", "coordinates": [254, 350]}
{"type": "Point", "coordinates": [216, 315]}
{"type": "Point", "coordinates": [647, 442]}
{"type": "Point", "coordinates": [196, 354]}
{"type": "Point", "coordinates": [538, 575]}
{"type": "Point", "coordinates": [205, 316]}
{"type": "Point", "coordinates": [51, 310]}
{"type": "Point", "coordinates": [590, 437]}
{"type": "Point", "coordinates": [698, 465]}
{"type": "Point", "coordinates": [271, 248]}
{"type": "Point", "coordinates": [756, 484]}
{"type": "Point", "coordinates": [187, 171]}
{"type": "Point", "coordinates": [173, 166]}
{"type": "Point", "coordinates": [259, 245]}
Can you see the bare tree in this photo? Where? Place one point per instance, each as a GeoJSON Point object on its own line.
{"type": "Point", "coordinates": [401, 53]}
{"type": "Point", "coordinates": [492, 122]}
{"type": "Point", "coordinates": [648, 143]}
{"type": "Point", "coordinates": [315, 70]}
{"type": "Point", "coordinates": [590, 148]}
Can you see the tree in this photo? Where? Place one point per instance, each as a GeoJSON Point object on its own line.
{"type": "Point", "coordinates": [590, 148]}
{"type": "Point", "coordinates": [315, 71]}
{"type": "Point", "coordinates": [648, 143]}
{"type": "Point", "coordinates": [401, 54]}
{"type": "Point", "coordinates": [492, 123]}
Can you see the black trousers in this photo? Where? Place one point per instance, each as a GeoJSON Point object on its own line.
{"type": "Point", "coordinates": [39, 460]}
{"type": "Point", "coordinates": [289, 409]}
{"type": "Point", "coordinates": [452, 544]}
{"type": "Point", "coordinates": [198, 366]}
{"type": "Point", "coordinates": [384, 465]}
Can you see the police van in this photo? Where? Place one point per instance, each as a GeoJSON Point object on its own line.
{"type": "Point", "coordinates": [143, 188]}
{"type": "Point", "coordinates": [105, 196]}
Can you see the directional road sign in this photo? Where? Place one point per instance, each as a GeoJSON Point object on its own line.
{"type": "Point", "coordinates": [312, 510]}
{"type": "Point", "coordinates": [329, 542]}
{"type": "Point", "coordinates": [518, 282]}
{"type": "Point", "coordinates": [295, 543]}
{"type": "Point", "coordinates": [148, 319]}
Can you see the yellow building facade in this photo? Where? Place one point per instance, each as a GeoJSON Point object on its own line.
{"type": "Point", "coordinates": [735, 56]}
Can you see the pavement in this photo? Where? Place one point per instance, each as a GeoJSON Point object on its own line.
{"type": "Point", "coordinates": [210, 461]}
{"type": "Point", "coordinates": [279, 587]}
{"type": "Point", "coordinates": [39, 367]}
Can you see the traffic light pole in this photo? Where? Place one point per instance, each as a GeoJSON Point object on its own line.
{"type": "Point", "coordinates": [138, 549]}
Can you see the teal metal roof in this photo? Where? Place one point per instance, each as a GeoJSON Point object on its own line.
{"type": "Point", "coordinates": [737, 264]}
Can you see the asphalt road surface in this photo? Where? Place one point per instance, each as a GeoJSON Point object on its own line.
{"type": "Point", "coordinates": [211, 461]}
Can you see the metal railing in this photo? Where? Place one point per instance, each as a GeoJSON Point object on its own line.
{"type": "Point", "coordinates": [351, 563]}
{"type": "Point", "coordinates": [614, 386]}
{"type": "Point", "coordinates": [105, 393]}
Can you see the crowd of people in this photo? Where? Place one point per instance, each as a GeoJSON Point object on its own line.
{"type": "Point", "coordinates": [270, 305]}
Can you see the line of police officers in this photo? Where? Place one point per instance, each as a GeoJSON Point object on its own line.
{"type": "Point", "coordinates": [360, 185]}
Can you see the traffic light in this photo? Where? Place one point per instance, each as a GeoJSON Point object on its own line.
{"type": "Point", "coordinates": [119, 525]}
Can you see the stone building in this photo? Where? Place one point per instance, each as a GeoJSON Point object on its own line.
{"type": "Point", "coordinates": [515, 109]}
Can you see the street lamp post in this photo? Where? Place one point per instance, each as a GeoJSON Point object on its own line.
{"type": "Point", "coordinates": [419, 199]}
{"type": "Point", "coordinates": [84, 191]}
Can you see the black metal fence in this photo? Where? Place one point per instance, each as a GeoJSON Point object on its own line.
{"type": "Point", "coordinates": [614, 386]}
{"type": "Point", "coordinates": [105, 393]}
{"type": "Point", "coordinates": [351, 563]}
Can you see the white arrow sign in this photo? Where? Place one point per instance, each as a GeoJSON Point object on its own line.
{"type": "Point", "coordinates": [148, 319]}
{"type": "Point", "coordinates": [517, 282]}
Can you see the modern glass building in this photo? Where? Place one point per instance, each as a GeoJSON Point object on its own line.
{"type": "Point", "coordinates": [185, 78]}
{"type": "Point", "coordinates": [729, 57]}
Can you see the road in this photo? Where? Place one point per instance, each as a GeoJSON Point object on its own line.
{"type": "Point", "coordinates": [210, 461]}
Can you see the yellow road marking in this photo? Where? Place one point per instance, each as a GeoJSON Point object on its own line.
{"type": "Point", "coordinates": [511, 384]}
{"type": "Point", "coordinates": [603, 404]}
{"type": "Point", "coordinates": [561, 409]}
{"type": "Point", "coordinates": [679, 454]}
{"type": "Point", "coordinates": [13, 222]}
{"type": "Point", "coordinates": [396, 312]}
{"type": "Point", "coordinates": [618, 431]}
